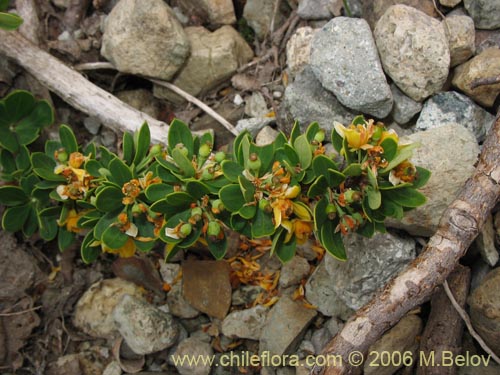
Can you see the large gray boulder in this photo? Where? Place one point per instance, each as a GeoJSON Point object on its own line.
{"type": "Point", "coordinates": [345, 60]}
{"type": "Point", "coordinates": [144, 37]}
{"type": "Point", "coordinates": [414, 50]}
{"type": "Point", "coordinates": [486, 13]}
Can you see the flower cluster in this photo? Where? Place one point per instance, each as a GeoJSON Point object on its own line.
{"type": "Point", "coordinates": [186, 192]}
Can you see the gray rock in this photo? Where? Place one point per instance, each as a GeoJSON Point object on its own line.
{"type": "Point", "coordinates": [404, 107]}
{"type": "Point", "coordinates": [256, 105]}
{"type": "Point", "coordinates": [156, 51]}
{"type": "Point", "coordinates": [487, 39]}
{"type": "Point", "coordinates": [93, 312]}
{"type": "Point", "coordinates": [450, 151]}
{"type": "Point", "coordinates": [286, 324]}
{"type": "Point", "coordinates": [266, 136]}
{"type": "Point", "coordinates": [113, 368]}
{"type": "Point", "coordinates": [108, 137]}
{"type": "Point", "coordinates": [334, 326]}
{"type": "Point", "coordinates": [259, 14]}
{"type": "Point", "coordinates": [169, 271]}
{"type": "Point", "coordinates": [195, 349]}
{"type": "Point", "coordinates": [92, 124]}
{"type": "Point", "coordinates": [220, 12]}
{"type": "Point", "coordinates": [320, 338]}
{"type": "Point", "coordinates": [298, 49]}
{"type": "Point", "coordinates": [245, 324]}
{"type": "Point", "coordinates": [414, 50]}
{"type": "Point", "coordinates": [294, 271]}
{"type": "Point", "coordinates": [401, 338]}
{"type": "Point", "coordinates": [483, 66]}
{"type": "Point", "coordinates": [371, 262]}
{"type": "Point", "coordinates": [486, 13]}
{"type": "Point", "coordinates": [215, 56]}
{"type": "Point", "coordinates": [345, 60]}
{"type": "Point", "coordinates": [142, 100]}
{"type": "Point", "coordinates": [461, 38]}
{"type": "Point", "coordinates": [253, 125]}
{"type": "Point", "coordinates": [245, 294]}
{"type": "Point", "coordinates": [177, 304]}
{"type": "Point", "coordinates": [450, 3]}
{"type": "Point", "coordinates": [306, 250]}
{"type": "Point", "coordinates": [453, 108]}
{"type": "Point", "coordinates": [315, 9]}
{"type": "Point", "coordinates": [321, 293]}
{"type": "Point", "coordinates": [145, 328]}
{"type": "Point", "coordinates": [485, 242]}
{"type": "Point", "coordinates": [484, 305]}
{"type": "Point", "coordinates": [479, 270]}
{"type": "Point", "coordinates": [307, 101]}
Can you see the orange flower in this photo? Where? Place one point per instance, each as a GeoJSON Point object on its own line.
{"type": "Point", "coordinates": [357, 136]}
{"type": "Point", "coordinates": [71, 221]}
{"type": "Point", "coordinates": [131, 190]}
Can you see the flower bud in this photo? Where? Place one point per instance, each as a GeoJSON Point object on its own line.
{"type": "Point", "coordinates": [254, 162]}
{"type": "Point", "coordinates": [331, 211]}
{"type": "Point", "coordinates": [136, 209]}
{"type": "Point", "coordinates": [264, 205]}
{"type": "Point", "coordinates": [62, 156]}
{"type": "Point", "coordinates": [204, 150]}
{"type": "Point", "coordinates": [182, 148]}
{"type": "Point", "coordinates": [217, 206]}
{"type": "Point", "coordinates": [319, 136]}
{"type": "Point", "coordinates": [207, 174]}
{"type": "Point", "coordinates": [352, 196]}
{"type": "Point", "coordinates": [155, 150]}
{"type": "Point", "coordinates": [196, 213]}
{"type": "Point", "coordinates": [220, 156]}
{"type": "Point", "coordinates": [185, 230]}
{"type": "Point", "coordinates": [213, 230]}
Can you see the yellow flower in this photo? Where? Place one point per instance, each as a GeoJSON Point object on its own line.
{"type": "Point", "coordinates": [388, 134]}
{"type": "Point", "coordinates": [126, 251]}
{"type": "Point", "coordinates": [71, 221]}
{"type": "Point", "coordinates": [301, 228]}
{"type": "Point", "coordinates": [357, 136]}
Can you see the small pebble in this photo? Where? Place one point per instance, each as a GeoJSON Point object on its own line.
{"type": "Point", "coordinates": [238, 100]}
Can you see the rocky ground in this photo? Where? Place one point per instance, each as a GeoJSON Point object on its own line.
{"type": "Point", "coordinates": [418, 66]}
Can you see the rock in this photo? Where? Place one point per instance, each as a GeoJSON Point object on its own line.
{"type": "Point", "coordinates": [220, 12]}
{"type": "Point", "coordinates": [215, 56]}
{"type": "Point", "coordinates": [259, 14]}
{"type": "Point", "coordinates": [345, 60]}
{"type": "Point", "coordinates": [108, 137]}
{"type": "Point", "coordinates": [373, 10]}
{"type": "Point", "coordinates": [460, 31]}
{"type": "Point", "coordinates": [158, 50]}
{"type": "Point", "coordinates": [479, 270]}
{"type": "Point", "coordinates": [485, 13]}
{"type": "Point", "coordinates": [256, 105]}
{"type": "Point", "coordinates": [402, 338]}
{"type": "Point", "coordinates": [67, 364]}
{"type": "Point", "coordinates": [245, 324]}
{"type": "Point", "coordinates": [490, 369]}
{"type": "Point", "coordinates": [414, 51]}
{"type": "Point", "coordinates": [450, 151]}
{"type": "Point", "coordinates": [484, 305]}
{"type": "Point", "coordinates": [404, 107]}
{"type": "Point", "coordinates": [245, 294]}
{"type": "Point", "coordinates": [169, 271]}
{"type": "Point", "coordinates": [253, 125]}
{"type": "Point", "coordinates": [453, 108]}
{"type": "Point", "coordinates": [307, 101]}
{"type": "Point", "coordinates": [485, 242]}
{"type": "Point", "coordinates": [113, 368]}
{"type": "Point", "coordinates": [145, 328]}
{"type": "Point", "coordinates": [92, 124]}
{"type": "Point", "coordinates": [178, 306]}
{"type": "Point", "coordinates": [298, 49]}
{"type": "Point", "coordinates": [320, 293]}
{"type": "Point", "coordinates": [314, 9]}
{"type": "Point", "coordinates": [450, 3]}
{"type": "Point", "coordinates": [371, 262]}
{"type": "Point", "coordinates": [294, 271]}
{"type": "Point", "coordinates": [142, 100]}
{"type": "Point", "coordinates": [487, 39]}
{"type": "Point", "coordinates": [286, 323]}
{"type": "Point", "coordinates": [266, 136]}
{"type": "Point", "coordinates": [320, 338]}
{"type": "Point", "coordinates": [483, 66]}
{"type": "Point", "coordinates": [306, 249]}
{"type": "Point", "coordinates": [93, 312]}
{"type": "Point", "coordinates": [334, 326]}
{"type": "Point", "coordinates": [193, 348]}
{"type": "Point", "coordinates": [206, 286]}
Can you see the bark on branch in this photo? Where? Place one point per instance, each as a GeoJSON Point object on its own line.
{"type": "Point", "coordinates": [458, 227]}
{"type": "Point", "coordinates": [73, 88]}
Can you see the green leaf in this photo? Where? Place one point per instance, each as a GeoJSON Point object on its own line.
{"type": "Point", "coordinates": [406, 197]}
{"type": "Point", "coordinates": [64, 239]}
{"type": "Point", "coordinates": [128, 148]}
{"type": "Point", "coordinates": [23, 161]}
{"type": "Point", "coordinates": [179, 133]}
{"type": "Point", "coordinates": [184, 164]}
{"type": "Point", "coordinates": [367, 230]}
{"type": "Point", "coordinates": [353, 170]}
{"type": "Point", "coordinates": [218, 248]}
{"type": "Point", "coordinates": [31, 224]}
{"type": "Point", "coordinates": [28, 183]}
{"type": "Point", "coordinates": [319, 213]}
{"type": "Point", "coordinates": [311, 131]}
{"type": "Point", "coordinates": [163, 207]}
{"type": "Point", "coordinates": [374, 197]}
{"type": "Point", "coordinates": [114, 238]}
{"type": "Point", "coordinates": [104, 222]}
{"type": "Point", "coordinates": [120, 172]}
{"type": "Point", "coordinates": [68, 139]}
{"type": "Point", "coordinates": [236, 146]}
{"type": "Point", "coordinates": [337, 140]}
{"type": "Point", "coordinates": [247, 211]}
{"type": "Point", "coordinates": [390, 147]}
{"type": "Point", "coordinates": [92, 167]}
{"type": "Point", "coordinates": [197, 189]}
{"type": "Point", "coordinates": [247, 188]}
{"type": "Point", "coordinates": [321, 163]}
{"type": "Point", "coordinates": [179, 199]}
{"type": "Point", "coordinates": [143, 140]}
{"type": "Point", "coordinates": [48, 227]}
{"type": "Point", "coordinates": [262, 225]}
{"type": "Point", "coordinates": [372, 178]}
{"type": "Point", "coordinates": [284, 251]}
{"type": "Point", "coordinates": [332, 241]}
{"type": "Point", "coordinates": [391, 209]}
{"type": "Point", "coordinates": [404, 152]}
{"type": "Point", "coordinates": [318, 187]}
{"type": "Point", "coordinates": [295, 133]}
{"type": "Point", "coordinates": [9, 21]}
{"type": "Point", "coordinates": [4, 4]}
{"type": "Point", "coordinates": [12, 196]}
{"type": "Point", "coordinates": [359, 120]}
{"type": "Point", "coordinates": [303, 149]}
{"type": "Point", "coordinates": [8, 140]}
{"type": "Point", "coordinates": [109, 199]}
{"type": "Point", "coordinates": [15, 217]}
{"type": "Point", "coordinates": [155, 192]}
{"type": "Point", "coordinates": [423, 176]}
{"type": "Point", "coordinates": [334, 177]}
{"type": "Point", "coordinates": [232, 197]}
{"type": "Point", "coordinates": [89, 253]}
{"type": "Point", "coordinates": [231, 170]}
